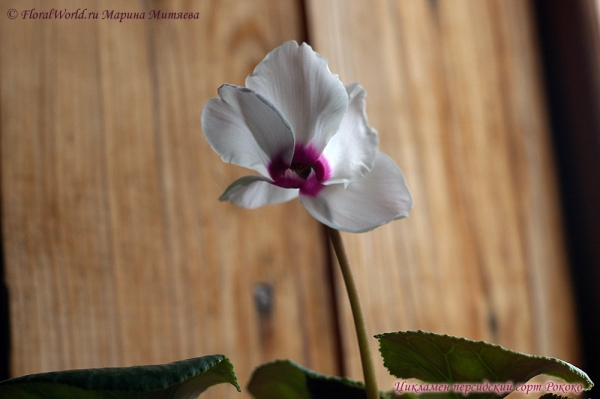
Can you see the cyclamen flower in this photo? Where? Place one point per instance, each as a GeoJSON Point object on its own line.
{"type": "Point", "coordinates": [307, 136]}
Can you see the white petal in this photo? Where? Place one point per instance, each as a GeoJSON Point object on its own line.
{"type": "Point", "coordinates": [255, 191]}
{"type": "Point", "coordinates": [378, 198]}
{"type": "Point", "coordinates": [351, 151]}
{"type": "Point", "coordinates": [297, 80]}
{"type": "Point", "coordinates": [246, 129]}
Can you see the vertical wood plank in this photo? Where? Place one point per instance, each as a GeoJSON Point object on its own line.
{"type": "Point", "coordinates": [117, 251]}
{"type": "Point", "coordinates": [454, 89]}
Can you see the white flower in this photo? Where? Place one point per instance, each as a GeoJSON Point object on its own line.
{"type": "Point", "coordinates": [307, 136]}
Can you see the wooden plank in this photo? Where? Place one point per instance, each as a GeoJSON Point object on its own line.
{"type": "Point", "coordinates": [454, 88]}
{"type": "Point", "coordinates": [117, 251]}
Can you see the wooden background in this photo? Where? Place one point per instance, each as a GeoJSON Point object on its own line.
{"type": "Point", "coordinates": [117, 251]}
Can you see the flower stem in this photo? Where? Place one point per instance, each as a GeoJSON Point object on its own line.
{"type": "Point", "coordinates": [357, 313]}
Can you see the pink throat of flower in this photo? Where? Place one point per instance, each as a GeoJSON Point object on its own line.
{"type": "Point", "coordinates": [307, 171]}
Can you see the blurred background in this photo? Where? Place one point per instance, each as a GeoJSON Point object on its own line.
{"type": "Point", "coordinates": [116, 252]}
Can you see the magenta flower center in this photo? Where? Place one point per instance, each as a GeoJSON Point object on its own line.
{"type": "Point", "coordinates": [307, 171]}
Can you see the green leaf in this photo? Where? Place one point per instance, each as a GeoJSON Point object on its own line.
{"type": "Point", "coordinates": [185, 379]}
{"type": "Point", "coordinates": [284, 379]}
{"type": "Point", "coordinates": [434, 358]}
{"type": "Point", "coordinates": [553, 396]}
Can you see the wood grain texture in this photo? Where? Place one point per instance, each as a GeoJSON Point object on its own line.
{"type": "Point", "coordinates": [117, 251]}
{"type": "Point", "coordinates": [454, 89]}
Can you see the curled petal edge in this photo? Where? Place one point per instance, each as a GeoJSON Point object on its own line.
{"type": "Point", "coordinates": [246, 129]}
{"type": "Point", "coordinates": [380, 197]}
{"type": "Point", "coordinates": [252, 192]}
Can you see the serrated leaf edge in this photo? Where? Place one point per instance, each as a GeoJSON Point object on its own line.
{"type": "Point", "coordinates": [47, 377]}
{"type": "Point", "coordinates": [575, 369]}
{"type": "Point", "coordinates": [312, 373]}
